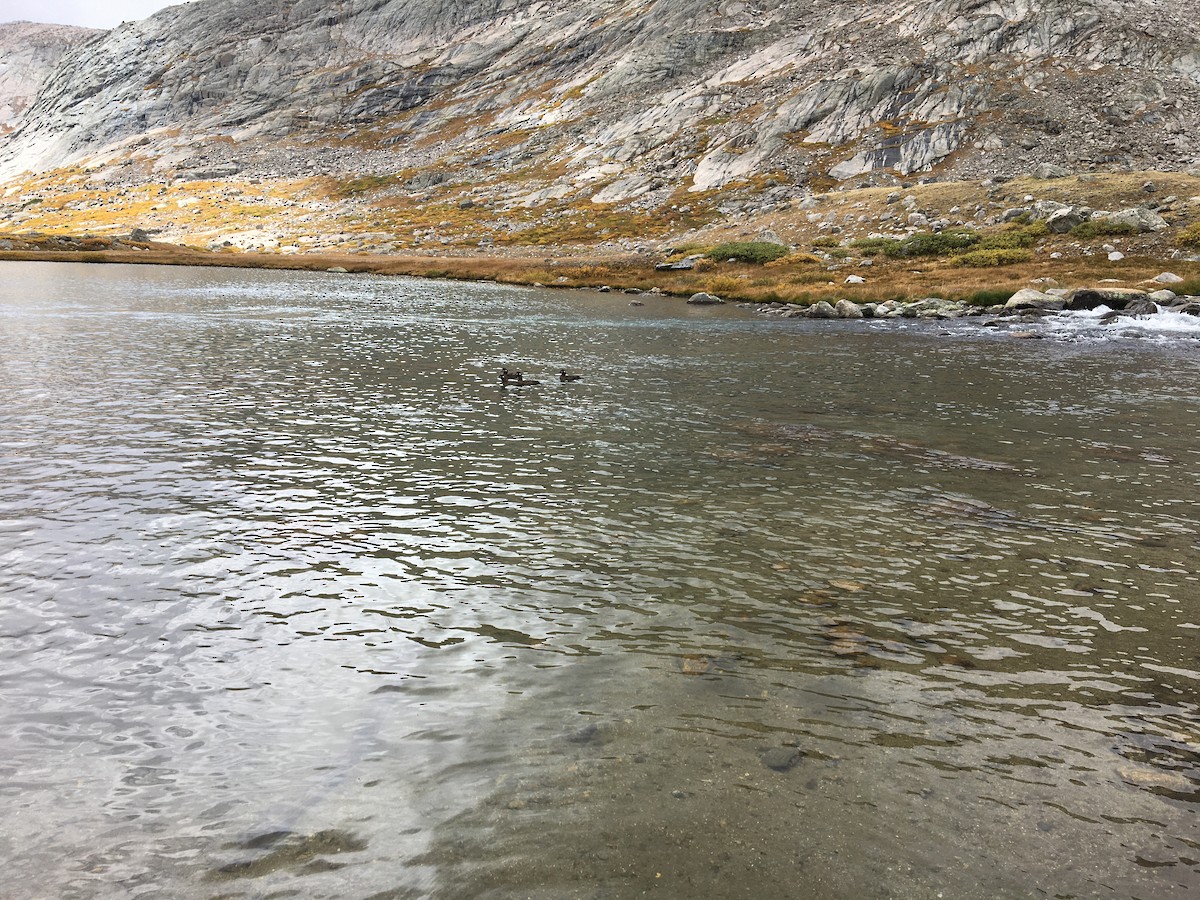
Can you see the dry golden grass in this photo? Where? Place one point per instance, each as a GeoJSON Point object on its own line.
{"type": "Point", "coordinates": [803, 283]}
{"type": "Point", "coordinates": [68, 201]}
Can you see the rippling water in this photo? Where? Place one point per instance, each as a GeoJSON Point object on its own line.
{"type": "Point", "coordinates": [294, 597]}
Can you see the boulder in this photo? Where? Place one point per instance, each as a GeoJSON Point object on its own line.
{"type": "Point", "coordinates": [822, 310]}
{"type": "Point", "coordinates": [1063, 220]}
{"type": "Point", "coordinates": [1050, 170]}
{"type": "Point", "coordinates": [1113, 298]}
{"type": "Point", "coordinates": [1044, 209]}
{"type": "Point", "coordinates": [1167, 278]}
{"type": "Point", "coordinates": [1164, 296]}
{"type": "Point", "coordinates": [1139, 217]}
{"type": "Point", "coordinates": [1031, 299]}
{"type": "Point", "coordinates": [703, 299]}
{"type": "Point", "coordinates": [847, 309]}
{"type": "Point", "coordinates": [1141, 307]}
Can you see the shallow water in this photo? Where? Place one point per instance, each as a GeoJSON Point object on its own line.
{"type": "Point", "coordinates": [295, 597]}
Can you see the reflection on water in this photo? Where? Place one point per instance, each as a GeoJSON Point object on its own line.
{"type": "Point", "coordinates": [296, 597]}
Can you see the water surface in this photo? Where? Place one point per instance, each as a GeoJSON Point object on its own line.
{"type": "Point", "coordinates": [294, 597]}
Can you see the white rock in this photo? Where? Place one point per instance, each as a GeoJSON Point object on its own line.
{"type": "Point", "coordinates": [1168, 278]}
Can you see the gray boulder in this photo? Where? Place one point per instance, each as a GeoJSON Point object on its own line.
{"type": "Point", "coordinates": [703, 299]}
{"type": "Point", "coordinates": [1139, 217]}
{"type": "Point", "coordinates": [1113, 298]}
{"type": "Point", "coordinates": [1050, 170]}
{"type": "Point", "coordinates": [1063, 220]}
{"type": "Point", "coordinates": [822, 310]}
{"type": "Point", "coordinates": [1031, 299]}
{"type": "Point", "coordinates": [848, 309]}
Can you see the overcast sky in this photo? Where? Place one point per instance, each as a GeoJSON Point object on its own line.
{"type": "Point", "coordinates": [92, 13]}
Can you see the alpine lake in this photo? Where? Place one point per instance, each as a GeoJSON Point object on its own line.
{"type": "Point", "coordinates": [296, 599]}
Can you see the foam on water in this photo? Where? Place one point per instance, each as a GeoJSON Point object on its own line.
{"type": "Point", "coordinates": [1163, 324]}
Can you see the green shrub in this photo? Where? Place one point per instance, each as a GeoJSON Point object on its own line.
{"type": "Point", "coordinates": [985, 259]}
{"type": "Point", "coordinates": [1188, 288]}
{"type": "Point", "coordinates": [826, 241]}
{"type": "Point", "coordinates": [933, 243]}
{"type": "Point", "coordinates": [873, 246]}
{"type": "Point", "coordinates": [988, 296]}
{"type": "Point", "coordinates": [1102, 228]}
{"type": "Point", "coordinates": [1015, 237]}
{"type": "Point", "coordinates": [755, 252]}
{"type": "Point", "coordinates": [1189, 238]}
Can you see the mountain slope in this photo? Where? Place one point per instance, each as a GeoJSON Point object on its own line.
{"type": "Point", "coordinates": [638, 104]}
{"type": "Point", "coordinates": [29, 54]}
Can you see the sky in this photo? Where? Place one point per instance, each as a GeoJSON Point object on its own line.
{"type": "Point", "coordinates": [92, 13]}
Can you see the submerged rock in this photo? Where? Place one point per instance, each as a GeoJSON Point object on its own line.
{"type": "Point", "coordinates": [781, 758]}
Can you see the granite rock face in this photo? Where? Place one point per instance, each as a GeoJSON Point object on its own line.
{"type": "Point", "coordinates": [619, 101]}
{"type": "Point", "coordinates": [29, 54]}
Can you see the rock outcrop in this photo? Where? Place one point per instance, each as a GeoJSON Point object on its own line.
{"type": "Point", "coordinates": [29, 54]}
{"type": "Point", "coordinates": [620, 102]}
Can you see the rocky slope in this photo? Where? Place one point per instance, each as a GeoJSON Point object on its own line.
{"type": "Point", "coordinates": [29, 54]}
{"type": "Point", "coordinates": [662, 109]}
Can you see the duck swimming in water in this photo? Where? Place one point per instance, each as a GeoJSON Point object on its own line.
{"type": "Point", "coordinates": [564, 377]}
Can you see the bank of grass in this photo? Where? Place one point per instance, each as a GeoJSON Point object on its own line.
{"type": "Point", "coordinates": [797, 278]}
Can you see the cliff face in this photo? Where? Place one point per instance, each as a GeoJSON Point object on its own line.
{"type": "Point", "coordinates": [624, 102]}
{"type": "Point", "coordinates": [29, 54]}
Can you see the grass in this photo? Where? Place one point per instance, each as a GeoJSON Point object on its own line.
{"type": "Point", "coordinates": [958, 262]}
{"type": "Point", "coordinates": [734, 281]}
{"type": "Point", "coordinates": [365, 184]}
{"type": "Point", "coordinates": [988, 297]}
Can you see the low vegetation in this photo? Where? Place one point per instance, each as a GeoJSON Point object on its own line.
{"type": "Point", "coordinates": [989, 249]}
{"type": "Point", "coordinates": [1102, 228]}
{"type": "Point", "coordinates": [983, 259]}
{"type": "Point", "coordinates": [753, 252]}
{"type": "Point", "coordinates": [1189, 238]}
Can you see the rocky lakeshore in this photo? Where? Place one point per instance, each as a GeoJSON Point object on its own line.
{"type": "Point", "coordinates": [1025, 306]}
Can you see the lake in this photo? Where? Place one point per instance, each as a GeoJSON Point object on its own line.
{"type": "Point", "coordinates": [297, 599]}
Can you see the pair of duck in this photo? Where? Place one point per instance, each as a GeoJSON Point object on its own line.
{"type": "Point", "coordinates": [519, 379]}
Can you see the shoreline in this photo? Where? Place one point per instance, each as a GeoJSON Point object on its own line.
{"type": "Point", "coordinates": [894, 288]}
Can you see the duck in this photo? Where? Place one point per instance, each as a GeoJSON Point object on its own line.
{"type": "Point", "coordinates": [520, 380]}
{"type": "Point", "coordinates": [564, 377]}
